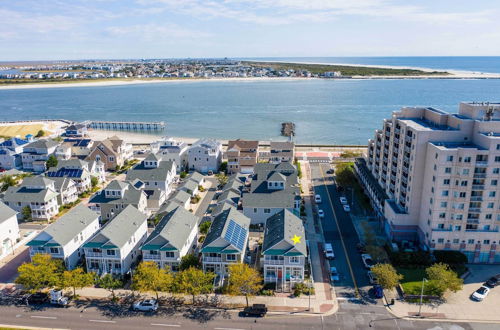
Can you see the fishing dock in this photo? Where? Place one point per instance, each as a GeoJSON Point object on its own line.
{"type": "Point", "coordinates": [288, 129]}
{"type": "Point", "coordinates": [127, 125]}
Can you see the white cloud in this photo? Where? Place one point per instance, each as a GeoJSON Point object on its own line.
{"type": "Point", "coordinates": [155, 31]}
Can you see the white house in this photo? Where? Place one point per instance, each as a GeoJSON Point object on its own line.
{"type": "Point", "coordinates": [155, 172]}
{"type": "Point", "coordinates": [172, 239]}
{"type": "Point", "coordinates": [172, 150]}
{"type": "Point", "coordinates": [205, 155]}
{"type": "Point", "coordinates": [9, 230]}
{"type": "Point", "coordinates": [64, 238]}
{"type": "Point", "coordinates": [116, 246]}
{"type": "Point", "coordinates": [35, 154]}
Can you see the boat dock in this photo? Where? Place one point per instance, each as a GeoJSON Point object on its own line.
{"type": "Point", "coordinates": [127, 126]}
{"type": "Point", "coordinates": [288, 129]}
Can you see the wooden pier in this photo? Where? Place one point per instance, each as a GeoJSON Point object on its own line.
{"type": "Point", "coordinates": [288, 129]}
{"type": "Point", "coordinates": [127, 125]}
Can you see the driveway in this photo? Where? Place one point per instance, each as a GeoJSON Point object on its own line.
{"type": "Point", "coordinates": [8, 271]}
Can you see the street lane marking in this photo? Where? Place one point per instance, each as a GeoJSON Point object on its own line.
{"type": "Point", "coordinates": [356, 290]}
{"type": "Point", "coordinates": [166, 325]}
{"type": "Point", "coordinates": [102, 321]}
{"type": "Point", "coordinates": [44, 317]}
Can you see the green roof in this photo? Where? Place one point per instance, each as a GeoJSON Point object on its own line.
{"type": "Point", "coordinates": [168, 249]}
{"type": "Point", "coordinates": [212, 249]}
{"type": "Point", "coordinates": [53, 244]}
{"type": "Point", "coordinates": [293, 254]}
{"type": "Point", "coordinates": [230, 251]}
{"type": "Point", "coordinates": [274, 252]}
{"type": "Point", "coordinates": [93, 244]}
{"type": "Point", "coordinates": [110, 246]}
{"type": "Point", "coordinates": [36, 243]}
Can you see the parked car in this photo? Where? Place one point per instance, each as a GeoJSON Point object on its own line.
{"type": "Point", "coordinates": [255, 310]}
{"type": "Point", "coordinates": [367, 260]}
{"type": "Point", "coordinates": [330, 171]}
{"type": "Point", "coordinates": [378, 292]}
{"type": "Point", "coordinates": [328, 250]}
{"type": "Point", "coordinates": [493, 281]}
{"type": "Point", "coordinates": [57, 298]}
{"type": "Point", "coordinates": [317, 199]}
{"type": "Point", "coordinates": [347, 208]}
{"type": "Point", "coordinates": [37, 298]}
{"type": "Point", "coordinates": [321, 214]}
{"type": "Point", "coordinates": [343, 200]}
{"type": "Point", "coordinates": [480, 293]}
{"type": "Point", "coordinates": [371, 277]}
{"type": "Point", "coordinates": [148, 305]}
{"type": "Point", "coordinates": [334, 275]}
{"type": "Point", "coordinates": [210, 172]}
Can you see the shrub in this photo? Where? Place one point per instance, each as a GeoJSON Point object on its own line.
{"type": "Point", "coordinates": [183, 174]}
{"type": "Point", "coordinates": [267, 293]}
{"type": "Point", "coordinates": [410, 259]}
{"type": "Point", "coordinates": [450, 257]}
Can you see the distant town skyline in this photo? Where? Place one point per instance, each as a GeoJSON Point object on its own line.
{"type": "Point", "coordinates": [58, 30]}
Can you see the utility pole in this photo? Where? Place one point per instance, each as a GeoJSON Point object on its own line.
{"type": "Point", "coordinates": [421, 296]}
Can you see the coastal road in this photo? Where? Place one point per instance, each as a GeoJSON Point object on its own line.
{"type": "Point", "coordinates": [339, 230]}
{"type": "Point", "coordinates": [349, 316]}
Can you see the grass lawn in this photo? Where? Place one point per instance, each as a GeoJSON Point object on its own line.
{"type": "Point", "coordinates": [412, 280]}
{"type": "Point", "coordinates": [21, 130]}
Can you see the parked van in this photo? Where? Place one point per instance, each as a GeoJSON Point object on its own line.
{"type": "Point", "coordinates": [328, 250]}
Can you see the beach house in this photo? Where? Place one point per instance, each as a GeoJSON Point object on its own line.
{"type": "Point", "coordinates": [205, 155]}
{"type": "Point", "coordinates": [172, 150]}
{"type": "Point", "coordinates": [9, 230]}
{"type": "Point", "coordinates": [64, 238]}
{"type": "Point", "coordinates": [112, 152]}
{"type": "Point", "coordinates": [36, 153]}
{"type": "Point", "coordinates": [74, 169]}
{"type": "Point", "coordinates": [116, 246]}
{"type": "Point", "coordinates": [155, 172]}
{"type": "Point", "coordinates": [241, 156]}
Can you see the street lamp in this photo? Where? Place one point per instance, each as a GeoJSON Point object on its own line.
{"type": "Point", "coordinates": [421, 296]}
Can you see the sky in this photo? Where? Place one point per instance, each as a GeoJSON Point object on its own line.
{"type": "Point", "coordinates": [118, 29]}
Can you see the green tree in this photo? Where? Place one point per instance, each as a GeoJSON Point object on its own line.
{"type": "Point", "coordinates": [183, 174]}
{"type": "Point", "coordinates": [244, 280]}
{"type": "Point", "coordinates": [42, 272]}
{"type": "Point", "coordinates": [76, 279]}
{"type": "Point", "coordinates": [351, 154]}
{"type": "Point", "coordinates": [40, 133]}
{"type": "Point", "coordinates": [442, 278]}
{"type": "Point", "coordinates": [223, 167]}
{"type": "Point", "coordinates": [189, 260]}
{"type": "Point", "coordinates": [26, 213]}
{"type": "Point", "coordinates": [221, 179]}
{"type": "Point", "coordinates": [7, 181]}
{"type": "Point", "coordinates": [148, 277]}
{"type": "Point", "coordinates": [94, 181]}
{"type": "Point", "coordinates": [51, 161]}
{"type": "Point", "coordinates": [194, 281]}
{"type": "Point", "coordinates": [204, 227]}
{"type": "Point", "coordinates": [110, 283]}
{"type": "Point", "coordinates": [386, 275]}
{"type": "Point", "coordinates": [344, 174]}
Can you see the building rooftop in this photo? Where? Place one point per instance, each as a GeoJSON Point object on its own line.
{"type": "Point", "coordinates": [143, 173]}
{"type": "Point", "coordinates": [278, 233]}
{"type": "Point", "coordinates": [6, 212]}
{"type": "Point", "coordinates": [228, 232]}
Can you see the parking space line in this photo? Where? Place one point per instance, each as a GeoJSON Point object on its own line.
{"type": "Point", "coordinates": [356, 289]}
{"type": "Point", "coordinates": [44, 317]}
{"type": "Point", "coordinates": [102, 321]}
{"type": "Point", "coordinates": [166, 325]}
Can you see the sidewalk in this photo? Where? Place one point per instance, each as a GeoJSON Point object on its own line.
{"type": "Point", "coordinates": [458, 306]}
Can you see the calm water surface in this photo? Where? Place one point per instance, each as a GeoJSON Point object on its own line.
{"type": "Point", "coordinates": [325, 111]}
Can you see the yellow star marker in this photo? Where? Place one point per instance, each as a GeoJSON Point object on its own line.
{"type": "Point", "coordinates": [296, 239]}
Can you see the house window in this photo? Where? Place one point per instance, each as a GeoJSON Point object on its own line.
{"type": "Point", "coordinates": [110, 252]}
{"type": "Point", "coordinates": [486, 241]}
{"type": "Point", "coordinates": [54, 250]}
{"type": "Point", "coordinates": [267, 210]}
{"type": "Point", "coordinates": [446, 181]}
{"type": "Point", "coordinates": [488, 216]}
{"type": "Point", "coordinates": [458, 228]}
{"type": "Point", "coordinates": [447, 170]}
{"type": "Point", "coordinates": [294, 260]}
{"type": "Point", "coordinates": [496, 170]}
{"type": "Point", "coordinates": [169, 254]}
{"type": "Point", "coordinates": [444, 204]}
{"type": "Point", "coordinates": [470, 241]}
{"type": "Point", "coordinates": [444, 193]}
{"type": "Point", "coordinates": [96, 250]}
{"type": "Point", "coordinates": [111, 158]}
{"type": "Point", "coordinates": [231, 257]}
{"type": "Point", "coordinates": [449, 158]}
{"type": "Point", "coordinates": [492, 193]}
{"type": "Point", "coordinates": [440, 240]}
{"type": "Point", "coordinates": [442, 215]}
{"type": "Point", "coordinates": [94, 265]}
{"type": "Point", "coordinates": [441, 226]}
{"type": "Point", "coordinates": [153, 252]}
{"type": "Point", "coordinates": [494, 182]}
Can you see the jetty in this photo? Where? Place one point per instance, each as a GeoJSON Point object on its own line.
{"type": "Point", "coordinates": [127, 125]}
{"type": "Point", "coordinates": [288, 129]}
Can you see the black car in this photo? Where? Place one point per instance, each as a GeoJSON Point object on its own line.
{"type": "Point", "coordinates": [493, 282]}
{"type": "Point", "coordinates": [255, 310]}
{"type": "Point", "coordinates": [37, 298]}
{"type": "Point", "coordinates": [330, 171]}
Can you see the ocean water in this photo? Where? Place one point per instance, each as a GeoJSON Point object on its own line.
{"type": "Point", "coordinates": [325, 111]}
{"type": "Point", "coordinates": [490, 64]}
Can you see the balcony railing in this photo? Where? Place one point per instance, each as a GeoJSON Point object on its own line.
{"type": "Point", "coordinates": [274, 262]}
{"type": "Point", "coordinates": [479, 175]}
{"type": "Point", "coordinates": [151, 256]}
{"type": "Point", "coordinates": [476, 198]}
{"type": "Point", "coordinates": [475, 209]}
{"type": "Point", "coordinates": [212, 259]}
{"type": "Point", "coordinates": [478, 187]}
{"type": "Point", "coordinates": [481, 163]}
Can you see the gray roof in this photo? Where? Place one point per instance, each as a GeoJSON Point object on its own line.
{"type": "Point", "coordinates": [189, 184]}
{"type": "Point", "coordinates": [280, 228]}
{"type": "Point", "coordinates": [196, 177]}
{"type": "Point", "coordinates": [233, 183]}
{"type": "Point", "coordinates": [62, 183]}
{"type": "Point", "coordinates": [173, 230]}
{"type": "Point", "coordinates": [168, 206]}
{"type": "Point", "coordinates": [36, 181]}
{"type": "Point", "coordinates": [220, 207]}
{"type": "Point", "coordinates": [29, 195]}
{"type": "Point", "coordinates": [70, 225]}
{"type": "Point", "coordinates": [181, 197]}
{"type": "Point", "coordinates": [6, 212]}
{"type": "Point", "coordinates": [72, 163]}
{"type": "Point", "coordinates": [132, 195]}
{"type": "Point", "coordinates": [152, 157]}
{"type": "Point", "coordinates": [159, 173]}
{"type": "Point", "coordinates": [117, 185]}
{"type": "Point", "coordinates": [220, 224]}
{"type": "Point", "coordinates": [261, 196]}
{"type": "Point", "coordinates": [118, 231]}
{"type": "Point", "coordinates": [230, 196]}
{"type": "Point", "coordinates": [42, 143]}
{"type": "Point", "coordinates": [207, 143]}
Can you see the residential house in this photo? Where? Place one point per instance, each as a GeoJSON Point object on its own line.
{"type": "Point", "coordinates": [67, 189]}
{"type": "Point", "coordinates": [14, 144]}
{"type": "Point", "coordinates": [155, 172]}
{"type": "Point", "coordinates": [79, 147]}
{"type": "Point", "coordinates": [35, 154]}
{"type": "Point", "coordinates": [117, 195]}
{"type": "Point", "coordinates": [205, 155]}
{"type": "Point", "coordinates": [116, 246]}
{"type": "Point", "coordinates": [189, 186]}
{"type": "Point", "coordinates": [182, 198]}
{"type": "Point", "coordinates": [64, 238]}
{"type": "Point", "coordinates": [112, 152]}
{"type": "Point", "coordinates": [9, 230]}
{"type": "Point", "coordinates": [226, 242]}
{"type": "Point", "coordinates": [39, 193]}
{"type": "Point", "coordinates": [76, 130]}
{"type": "Point", "coordinates": [173, 238]}
{"type": "Point", "coordinates": [197, 177]}
{"type": "Point", "coordinates": [284, 250]}
{"type": "Point", "coordinates": [63, 151]}
{"type": "Point", "coordinates": [172, 150]}
{"type": "Point", "coordinates": [281, 152]}
{"type": "Point", "coordinates": [273, 187]}
{"type": "Point", "coordinates": [76, 170]}
{"type": "Point", "coordinates": [10, 153]}
{"type": "Point", "coordinates": [242, 156]}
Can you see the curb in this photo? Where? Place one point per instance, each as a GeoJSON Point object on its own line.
{"type": "Point", "coordinates": [27, 327]}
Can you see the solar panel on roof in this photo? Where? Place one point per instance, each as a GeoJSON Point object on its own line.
{"type": "Point", "coordinates": [63, 172]}
{"type": "Point", "coordinates": [235, 234]}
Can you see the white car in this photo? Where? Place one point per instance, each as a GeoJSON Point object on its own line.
{"type": "Point", "coordinates": [321, 214]}
{"type": "Point", "coordinates": [367, 260]}
{"type": "Point", "coordinates": [343, 200]}
{"type": "Point", "coordinates": [329, 251]}
{"type": "Point", "coordinates": [334, 275]}
{"type": "Point", "coordinates": [480, 293]}
{"type": "Point", "coordinates": [148, 305]}
{"type": "Point", "coordinates": [372, 278]}
{"type": "Point", "coordinates": [317, 199]}
{"type": "Point", "coordinates": [347, 208]}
